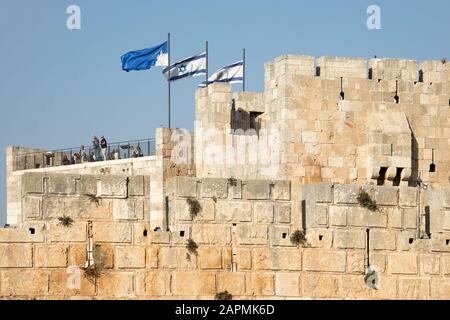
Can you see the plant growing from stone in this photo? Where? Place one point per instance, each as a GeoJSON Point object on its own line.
{"type": "Point", "coordinates": [232, 181]}
{"type": "Point", "coordinates": [366, 201]}
{"type": "Point", "coordinates": [223, 295]}
{"type": "Point", "coordinates": [94, 198]}
{"type": "Point", "coordinates": [194, 207]}
{"type": "Point", "coordinates": [94, 271]}
{"type": "Point", "coordinates": [65, 221]}
{"type": "Point", "coordinates": [298, 238]}
{"type": "Point", "coordinates": [192, 246]}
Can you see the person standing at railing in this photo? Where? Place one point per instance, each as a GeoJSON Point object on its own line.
{"type": "Point", "coordinates": [96, 148]}
{"type": "Point", "coordinates": [83, 155]}
{"type": "Point", "coordinates": [104, 146]}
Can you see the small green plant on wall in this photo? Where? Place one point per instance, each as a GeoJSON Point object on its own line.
{"type": "Point", "coordinates": [65, 221]}
{"type": "Point", "coordinates": [232, 181]}
{"type": "Point", "coordinates": [194, 207]}
{"type": "Point", "coordinates": [223, 295]}
{"type": "Point", "coordinates": [298, 238]}
{"type": "Point", "coordinates": [366, 201]}
{"type": "Point", "coordinates": [192, 246]}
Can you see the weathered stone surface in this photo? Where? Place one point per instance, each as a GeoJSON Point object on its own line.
{"type": "Point", "coordinates": [446, 264]}
{"type": "Point", "coordinates": [429, 264]}
{"type": "Point", "coordinates": [257, 189]}
{"type": "Point", "coordinates": [283, 212]}
{"type": "Point", "coordinates": [112, 232]}
{"type": "Point", "coordinates": [88, 185]}
{"type": "Point", "coordinates": [244, 258]}
{"type": "Point", "coordinates": [186, 187]}
{"type": "Point", "coordinates": [445, 202]}
{"type": "Point", "coordinates": [180, 210]}
{"type": "Point", "coordinates": [32, 183]}
{"type": "Point", "coordinates": [70, 282]}
{"type": "Point", "coordinates": [32, 207]}
{"type": "Point", "coordinates": [403, 263]}
{"type": "Point", "coordinates": [116, 284]}
{"type": "Point", "coordinates": [77, 232]}
{"type": "Point", "coordinates": [410, 218]}
{"type": "Point", "coordinates": [210, 258]}
{"type": "Point", "coordinates": [233, 282]}
{"type": "Point", "coordinates": [346, 194]}
{"type": "Point", "coordinates": [386, 195]}
{"type": "Point", "coordinates": [83, 208]}
{"type": "Point", "coordinates": [350, 239]}
{"type": "Point", "coordinates": [382, 240]}
{"type": "Point", "coordinates": [355, 261]}
{"type": "Point", "coordinates": [23, 282]}
{"type": "Point", "coordinates": [362, 217]}
{"type": "Point", "coordinates": [77, 255]}
{"type": "Point", "coordinates": [136, 186]}
{"type": "Point", "coordinates": [249, 234]}
{"type": "Point", "coordinates": [440, 288]}
{"type": "Point", "coordinates": [286, 259]}
{"type": "Point", "coordinates": [214, 188]}
{"type": "Point", "coordinates": [62, 183]}
{"type": "Point", "coordinates": [317, 285]}
{"type": "Point", "coordinates": [156, 283]}
{"type": "Point", "coordinates": [127, 209]}
{"type": "Point", "coordinates": [282, 190]}
{"type": "Point", "coordinates": [263, 211]}
{"type": "Point", "coordinates": [50, 256]}
{"type": "Point", "coordinates": [21, 235]}
{"type": "Point", "coordinates": [260, 284]}
{"type": "Point", "coordinates": [16, 256]}
{"type": "Point", "coordinates": [408, 196]}
{"type": "Point", "coordinates": [193, 283]}
{"type": "Point", "coordinates": [211, 234]}
{"type": "Point", "coordinates": [319, 238]}
{"type": "Point", "coordinates": [324, 260]}
{"type": "Point", "coordinates": [235, 211]}
{"type": "Point", "coordinates": [287, 284]}
{"type": "Point", "coordinates": [280, 235]}
{"type": "Point", "coordinates": [113, 186]}
{"type": "Point", "coordinates": [394, 216]}
{"type": "Point", "coordinates": [413, 288]}
{"type": "Point", "coordinates": [337, 216]}
{"type": "Point", "coordinates": [176, 258]}
{"type": "Point", "coordinates": [130, 257]}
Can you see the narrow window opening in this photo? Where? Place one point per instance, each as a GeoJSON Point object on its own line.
{"type": "Point", "coordinates": [432, 167]}
{"type": "Point", "coordinates": [420, 76]}
{"type": "Point", "coordinates": [317, 71]}
{"type": "Point", "coordinates": [447, 242]}
{"type": "Point", "coordinates": [397, 177]}
{"type": "Point", "coordinates": [379, 80]}
{"type": "Point", "coordinates": [382, 176]}
{"type": "Point", "coordinates": [320, 237]}
{"type": "Point", "coordinates": [370, 73]}
{"type": "Point", "coordinates": [181, 233]}
{"type": "Point", "coordinates": [32, 230]}
{"type": "Point", "coordinates": [145, 232]}
{"type": "Point", "coordinates": [284, 235]}
{"type": "Point", "coordinates": [411, 240]}
{"type": "Point", "coordinates": [427, 221]}
{"type": "Point", "coordinates": [304, 214]}
{"type": "Point", "coordinates": [341, 94]}
{"type": "Point", "coordinates": [396, 98]}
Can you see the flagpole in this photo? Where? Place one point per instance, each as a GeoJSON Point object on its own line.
{"type": "Point", "coordinates": [243, 78]}
{"type": "Point", "coordinates": [168, 78]}
{"type": "Point", "coordinates": [206, 45]}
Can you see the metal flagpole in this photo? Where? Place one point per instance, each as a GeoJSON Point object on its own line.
{"type": "Point", "coordinates": [206, 45]}
{"type": "Point", "coordinates": [168, 78]}
{"type": "Point", "coordinates": [243, 77]}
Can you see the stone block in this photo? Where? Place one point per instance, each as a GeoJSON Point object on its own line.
{"type": "Point", "coordinates": [235, 211]}
{"type": "Point", "coordinates": [410, 218]}
{"type": "Point", "coordinates": [263, 211]}
{"type": "Point", "coordinates": [186, 187]}
{"type": "Point", "coordinates": [62, 183]}
{"type": "Point", "coordinates": [160, 237]}
{"type": "Point", "coordinates": [378, 260]}
{"type": "Point", "coordinates": [130, 257]}
{"type": "Point", "coordinates": [250, 234]}
{"type": "Point", "coordinates": [70, 282]}
{"type": "Point", "coordinates": [440, 288]}
{"type": "Point", "coordinates": [403, 263]}
{"type": "Point", "coordinates": [355, 261]}
{"type": "Point", "coordinates": [193, 283]}
{"type": "Point", "coordinates": [445, 202]}
{"type": "Point", "coordinates": [175, 258]}
{"type": "Point", "coordinates": [210, 258]}
{"type": "Point", "coordinates": [233, 282]}
{"type": "Point", "coordinates": [136, 186]}
{"type": "Point", "coordinates": [430, 265]}
{"type": "Point", "coordinates": [32, 207]}
{"type": "Point", "coordinates": [157, 283]}
{"type": "Point", "coordinates": [82, 208]}
{"type": "Point", "coordinates": [260, 284]}
{"type": "Point", "coordinates": [319, 238]}
{"type": "Point", "coordinates": [211, 234]}
{"type": "Point", "coordinates": [179, 209]}
{"type": "Point", "coordinates": [23, 282]}
{"type": "Point", "coordinates": [16, 256]}
{"type": "Point", "coordinates": [75, 233]}
{"type": "Point", "coordinates": [116, 284]}
{"type": "Point", "coordinates": [349, 239]}
{"type": "Point", "coordinates": [21, 235]}
{"type": "Point", "coordinates": [394, 216]}
{"type": "Point", "coordinates": [127, 209]}
{"type": "Point", "coordinates": [337, 216]}
{"type": "Point", "coordinates": [440, 242]}
{"type": "Point", "coordinates": [113, 186]}
{"type": "Point", "coordinates": [50, 256]}
{"type": "Point", "coordinates": [324, 260]}
{"type": "Point", "coordinates": [386, 196]}
{"type": "Point", "coordinates": [413, 288]}
{"type": "Point", "coordinates": [287, 284]}
{"type": "Point", "coordinates": [53, 207]}
{"type": "Point", "coordinates": [88, 185]}
{"type": "Point", "coordinates": [406, 240]}
{"type": "Point", "coordinates": [346, 194]}
{"type": "Point", "coordinates": [214, 188]}
{"type": "Point", "coordinates": [382, 239]}
{"type": "Point", "coordinates": [286, 259]}
{"type": "Point", "coordinates": [257, 190]}
{"type": "Point", "coordinates": [112, 232]}
{"type": "Point", "coordinates": [407, 196]}
{"type": "Point", "coordinates": [152, 257]}
{"type": "Point", "coordinates": [283, 212]}
{"type": "Point", "coordinates": [32, 183]}
{"type": "Point", "coordinates": [244, 258]}
{"type": "Point", "coordinates": [319, 285]}
{"type": "Point", "coordinates": [208, 210]}
{"type": "Point", "coordinates": [280, 235]}
{"type": "Point", "coordinates": [362, 217]}
{"type": "Point", "coordinates": [282, 190]}
{"type": "Point", "coordinates": [77, 255]}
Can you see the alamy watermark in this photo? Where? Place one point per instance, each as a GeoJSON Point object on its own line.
{"type": "Point", "coordinates": [73, 21]}
{"type": "Point", "coordinates": [374, 20]}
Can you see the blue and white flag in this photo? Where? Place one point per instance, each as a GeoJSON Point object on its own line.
{"type": "Point", "coordinates": [190, 67]}
{"type": "Point", "coordinates": [234, 73]}
{"type": "Point", "coordinates": [146, 58]}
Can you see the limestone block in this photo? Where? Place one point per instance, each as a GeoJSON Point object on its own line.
{"type": "Point", "coordinates": [355, 261]}
{"type": "Point", "coordinates": [208, 211]}
{"type": "Point", "coordinates": [257, 189]}
{"type": "Point", "coordinates": [387, 290]}
{"type": "Point", "coordinates": [23, 282]}
{"type": "Point", "coordinates": [113, 186]}
{"type": "Point", "coordinates": [104, 253]}
{"type": "Point", "coordinates": [116, 284]}
{"type": "Point", "coordinates": [193, 283]}
{"type": "Point", "coordinates": [324, 260]}
{"type": "Point", "coordinates": [179, 209]}
{"type": "Point", "coordinates": [136, 186]}
{"type": "Point", "coordinates": [394, 216]}
{"type": "Point", "coordinates": [112, 232]}
{"type": "Point", "coordinates": [323, 192]}
{"type": "Point", "coordinates": [32, 207]}
{"type": "Point", "coordinates": [349, 239]}
{"type": "Point", "coordinates": [211, 233]}
{"type": "Point", "coordinates": [236, 190]}
{"type": "Point", "coordinates": [186, 187]}
{"type": "Point", "coordinates": [362, 217]}
{"type": "Point", "coordinates": [244, 258]}
{"type": "Point", "coordinates": [408, 196]}
{"type": "Point", "coordinates": [440, 242]}
{"type": "Point", "coordinates": [286, 259]}
{"type": "Point", "coordinates": [249, 234]}
{"type": "Point", "coordinates": [283, 212]}
{"type": "Point", "coordinates": [319, 238]}
{"type": "Point", "coordinates": [175, 258]}
{"type": "Point", "coordinates": [233, 282]}
{"type": "Point", "coordinates": [75, 233]}
{"type": "Point", "coordinates": [127, 209]}
{"type": "Point", "coordinates": [156, 283]}
{"type": "Point", "coordinates": [406, 240]}
{"type": "Point", "coordinates": [53, 207]}
{"type": "Point", "coordinates": [81, 208]}
{"type": "Point", "coordinates": [446, 220]}
{"type": "Point", "coordinates": [77, 255]}
{"type": "Point", "coordinates": [410, 218]}
{"type": "Point", "coordinates": [287, 284]}
{"type": "Point", "coordinates": [88, 185]}
{"type": "Point", "coordinates": [62, 183]}
{"type": "Point", "coordinates": [403, 263]}
{"type": "Point", "coordinates": [445, 198]}
{"type": "Point", "coordinates": [280, 235]}
{"type": "Point", "coordinates": [413, 288]}
{"type": "Point", "coordinates": [335, 67]}
{"type": "Point", "coordinates": [382, 239]}
{"type": "Point", "coordinates": [235, 211]}
{"type": "Point", "coordinates": [378, 260]}
{"type": "Point", "coordinates": [50, 256]}
{"type": "Point", "coordinates": [337, 216]}
{"type": "Point", "coordinates": [130, 257]}
{"type": "Point", "coordinates": [260, 284]}
{"type": "Point", "coordinates": [282, 190]}
{"type": "Point", "coordinates": [160, 237]}
{"type": "Point", "coordinates": [217, 188]}
{"type": "Point", "coordinates": [70, 282]}
{"type": "Point", "coordinates": [430, 265]}
{"type": "Point", "coordinates": [261, 258]}
{"type": "Point", "coordinates": [16, 256]}
{"type": "Point", "coordinates": [346, 194]}
{"type": "Point", "coordinates": [386, 196]}
{"type": "Point", "coordinates": [440, 288]}
{"type": "Point", "coordinates": [32, 183]}
{"type": "Point", "coordinates": [210, 258]}
{"type": "Point", "coordinates": [152, 257]}
{"type": "Point", "coordinates": [263, 211]}
{"type": "Point", "coordinates": [319, 285]}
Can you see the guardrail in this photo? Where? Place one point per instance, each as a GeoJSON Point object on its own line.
{"type": "Point", "coordinates": [83, 154]}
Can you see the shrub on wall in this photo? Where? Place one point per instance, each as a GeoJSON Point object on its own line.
{"type": "Point", "coordinates": [194, 207]}
{"type": "Point", "coordinates": [298, 238]}
{"type": "Point", "coordinates": [366, 201]}
{"type": "Point", "coordinates": [223, 295]}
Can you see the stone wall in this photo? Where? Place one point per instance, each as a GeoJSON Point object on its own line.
{"type": "Point", "coordinates": [243, 234]}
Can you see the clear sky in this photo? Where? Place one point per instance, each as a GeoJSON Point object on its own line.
{"type": "Point", "coordinates": [58, 87]}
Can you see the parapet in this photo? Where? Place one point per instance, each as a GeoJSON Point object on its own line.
{"type": "Point", "coordinates": [436, 71]}
{"type": "Point", "coordinates": [335, 67]}
{"type": "Point", "coordinates": [394, 69]}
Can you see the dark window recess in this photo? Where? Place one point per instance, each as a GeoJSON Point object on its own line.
{"type": "Point", "coordinates": [420, 76]}
{"type": "Point", "coordinates": [411, 240]}
{"type": "Point", "coordinates": [317, 71]}
{"type": "Point", "coordinates": [396, 98]}
{"type": "Point", "coordinates": [145, 232]}
{"type": "Point", "coordinates": [369, 76]}
{"type": "Point", "coordinates": [427, 221]}
{"type": "Point", "coordinates": [447, 242]}
{"type": "Point", "coordinates": [341, 94]}
{"type": "Point", "coordinates": [284, 235]}
{"type": "Point", "coordinates": [245, 123]}
{"type": "Point", "coordinates": [397, 177]}
{"type": "Point", "coordinates": [304, 214]}
{"type": "Point", "coordinates": [382, 176]}
{"type": "Point", "coordinates": [32, 230]}
{"type": "Point", "coordinates": [181, 233]}
{"type": "Point", "coordinates": [449, 102]}
{"type": "Point", "coordinates": [432, 167]}
{"type": "Point", "coordinates": [320, 237]}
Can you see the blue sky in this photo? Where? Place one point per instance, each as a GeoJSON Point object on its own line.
{"type": "Point", "coordinates": [60, 86]}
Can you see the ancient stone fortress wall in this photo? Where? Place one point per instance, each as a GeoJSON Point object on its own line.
{"type": "Point", "coordinates": [242, 231]}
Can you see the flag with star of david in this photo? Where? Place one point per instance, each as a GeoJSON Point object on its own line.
{"type": "Point", "coordinates": [190, 67]}
{"type": "Point", "coordinates": [233, 73]}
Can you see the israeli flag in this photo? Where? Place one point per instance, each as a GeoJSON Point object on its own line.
{"type": "Point", "coordinates": [234, 73]}
{"type": "Point", "coordinates": [146, 58]}
{"type": "Point", "coordinates": [190, 67]}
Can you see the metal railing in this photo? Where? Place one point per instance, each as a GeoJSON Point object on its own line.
{"type": "Point", "coordinates": [83, 154]}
